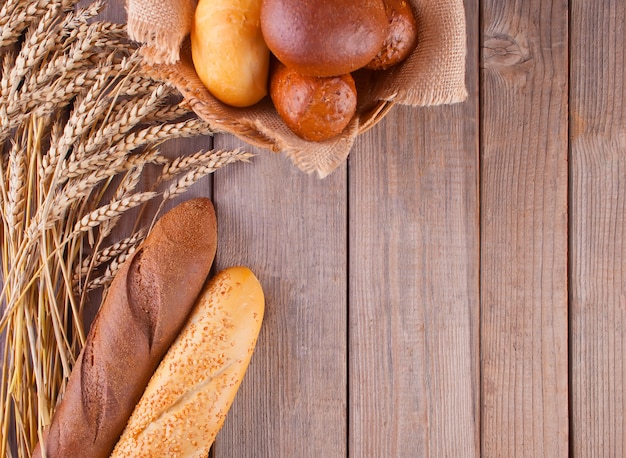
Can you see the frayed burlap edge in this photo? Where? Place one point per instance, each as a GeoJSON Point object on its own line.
{"type": "Point", "coordinates": [162, 25]}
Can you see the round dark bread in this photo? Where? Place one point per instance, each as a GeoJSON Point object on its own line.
{"type": "Point", "coordinates": [401, 37]}
{"type": "Point", "coordinates": [324, 37]}
{"type": "Point", "coordinates": [144, 310]}
{"type": "Point", "coordinates": [314, 108]}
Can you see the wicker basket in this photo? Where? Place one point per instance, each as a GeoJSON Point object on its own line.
{"type": "Point", "coordinates": [433, 75]}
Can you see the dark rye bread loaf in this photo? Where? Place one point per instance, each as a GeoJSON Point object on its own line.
{"type": "Point", "coordinates": [143, 312]}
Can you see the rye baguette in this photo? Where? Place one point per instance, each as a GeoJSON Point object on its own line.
{"type": "Point", "coordinates": [189, 395]}
{"type": "Point", "coordinates": [143, 312]}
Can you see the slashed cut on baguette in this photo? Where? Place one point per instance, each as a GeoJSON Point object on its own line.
{"type": "Point", "coordinates": [189, 395]}
{"type": "Point", "coordinates": [147, 304]}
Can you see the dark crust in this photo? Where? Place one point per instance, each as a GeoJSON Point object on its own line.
{"type": "Point", "coordinates": [314, 108]}
{"type": "Point", "coordinates": [145, 308]}
{"type": "Point", "coordinates": [324, 37]}
{"type": "Point", "coordinates": [143, 290]}
{"type": "Point", "coordinates": [401, 37]}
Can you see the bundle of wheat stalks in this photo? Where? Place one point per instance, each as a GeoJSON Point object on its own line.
{"type": "Point", "coordinates": [79, 126]}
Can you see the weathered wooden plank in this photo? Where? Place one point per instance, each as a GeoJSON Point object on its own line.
{"type": "Point", "coordinates": [524, 229]}
{"type": "Point", "coordinates": [598, 222]}
{"type": "Point", "coordinates": [290, 229]}
{"type": "Point", "coordinates": [413, 284]}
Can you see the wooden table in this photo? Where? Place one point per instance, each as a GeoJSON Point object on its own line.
{"type": "Point", "coordinates": [458, 288]}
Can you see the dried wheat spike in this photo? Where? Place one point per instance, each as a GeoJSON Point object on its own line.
{"type": "Point", "coordinates": [107, 254]}
{"type": "Point", "coordinates": [111, 210]}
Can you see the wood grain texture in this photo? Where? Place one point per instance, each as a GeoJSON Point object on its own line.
{"type": "Point", "coordinates": [524, 229]}
{"type": "Point", "coordinates": [598, 234]}
{"type": "Point", "coordinates": [414, 286]}
{"type": "Point", "coordinates": [290, 229]}
{"type": "Point", "coordinates": [414, 280]}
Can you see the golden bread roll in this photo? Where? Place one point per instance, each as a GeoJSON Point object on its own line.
{"type": "Point", "coordinates": [190, 393]}
{"type": "Point", "coordinates": [228, 50]}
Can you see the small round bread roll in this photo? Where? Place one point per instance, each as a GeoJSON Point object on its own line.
{"type": "Point", "coordinates": [314, 108]}
{"type": "Point", "coordinates": [324, 37]}
{"type": "Point", "coordinates": [401, 37]}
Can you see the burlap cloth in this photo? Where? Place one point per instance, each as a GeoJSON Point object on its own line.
{"type": "Point", "coordinates": [433, 75]}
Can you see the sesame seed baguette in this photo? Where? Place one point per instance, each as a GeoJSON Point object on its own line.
{"type": "Point", "coordinates": [146, 306]}
{"type": "Point", "coordinates": [190, 393]}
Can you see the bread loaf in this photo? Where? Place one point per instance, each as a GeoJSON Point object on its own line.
{"type": "Point", "coordinates": [189, 395]}
{"type": "Point", "coordinates": [143, 312]}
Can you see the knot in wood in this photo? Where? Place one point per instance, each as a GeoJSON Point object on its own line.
{"type": "Point", "coordinates": [505, 51]}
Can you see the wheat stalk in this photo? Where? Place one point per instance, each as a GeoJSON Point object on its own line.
{"type": "Point", "coordinates": [79, 126]}
{"type": "Point", "coordinates": [112, 210]}
{"type": "Point", "coordinates": [196, 167]}
{"type": "Point", "coordinates": [124, 246]}
{"type": "Point", "coordinates": [17, 15]}
{"type": "Point", "coordinates": [112, 267]}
